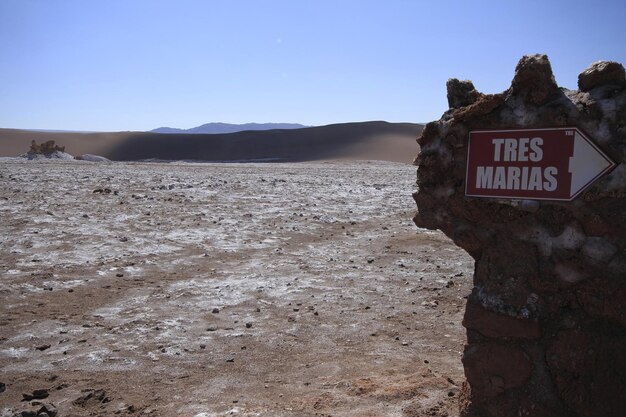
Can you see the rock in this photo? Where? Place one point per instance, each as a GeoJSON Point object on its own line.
{"type": "Point", "coordinates": [42, 347]}
{"type": "Point", "coordinates": [3, 387]}
{"type": "Point", "coordinates": [91, 397]}
{"type": "Point", "coordinates": [546, 323]}
{"type": "Point", "coordinates": [493, 368]}
{"type": "Point", "coordinates": [498, 325]}
{"type": "Point", "coordinates": [37, 394]}
{"type": "Point", "coordinates": [596, 363]}
{"type": "Point", "coordinates": [45, 148]}
{"type": "Point", "coordinates": [461, 93]}
{"type": "Point", "coordinates": [49, 409]}
{"type": "Point", "coordinates": [602, 73]}
{"type": "Point", "coordinates": [534, 80]}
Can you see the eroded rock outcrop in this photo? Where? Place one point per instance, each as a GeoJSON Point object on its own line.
{"type": "Point", "coordinates": [546, 320]}
{"type": "Point", "coordinates": [46, 148]}
{"type": "Point", "coordinates": [46, 151]}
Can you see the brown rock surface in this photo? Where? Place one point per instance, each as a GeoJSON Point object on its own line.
{"type": "Point", "coordinates": [601, 73]}
{"type": "Point", "coordinates": [46, 148]}
{"type": "Point", "coordinates": [545, 321]}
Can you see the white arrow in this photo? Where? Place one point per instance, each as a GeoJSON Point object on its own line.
{"type": "Point", "coordinates": [586, 164]}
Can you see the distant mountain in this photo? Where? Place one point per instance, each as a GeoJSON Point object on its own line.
{"type": "Point", "coordinates": [220, 128]}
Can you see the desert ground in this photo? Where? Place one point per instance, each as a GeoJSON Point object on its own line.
{"type": "Point", "coordinates": [179, 289]}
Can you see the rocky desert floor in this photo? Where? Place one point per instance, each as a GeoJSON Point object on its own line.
{"type": "Point", "coordinates": [201, 290]}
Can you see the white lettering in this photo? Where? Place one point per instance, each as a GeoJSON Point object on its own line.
{"type": "Point", "coordinates": [524, 178]}
{"type": "Point", "coordinates": [522, 152]}
{"type": "Point", "coordinates": [517, 150]}
{"type": "Point", "coordinates": [537, 153]}
{"type": "Point", "coordinates": [499, 179]}
{"type": "Point", "coordinates": [512, 179]}
{"type": "Point", "coordinates": [550, 183]}
{"type": "Point", "coordinates": [516, 178]}
{"type": "Point", "coordinates": [484, 177]}
{"type": "Point", "coordinates": [510, 149]}
{"type": "Point", "coordinates": [534, 182]}
{"type": "Point", "coordinates": [497, 143]}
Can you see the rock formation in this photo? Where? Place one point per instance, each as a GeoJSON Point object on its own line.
{"type": "Point", "coordinates": [46, 148]}
{"type": "Point", "coordinates": [546, 319]}
{"type": "Point", "coordinates": [46, 151]}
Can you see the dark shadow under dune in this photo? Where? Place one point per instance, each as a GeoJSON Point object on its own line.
{"type": "Point", "coordinates": [359, 140]}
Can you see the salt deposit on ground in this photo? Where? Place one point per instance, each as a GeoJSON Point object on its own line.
{"type": "Point", "coordinates": [212, 289]}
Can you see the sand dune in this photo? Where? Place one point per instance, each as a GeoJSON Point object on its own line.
{"type": "Point", "coordinates": [362, 140]}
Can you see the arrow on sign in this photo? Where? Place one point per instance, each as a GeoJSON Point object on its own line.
{"type": "Point", "coordinates": [586, 164]}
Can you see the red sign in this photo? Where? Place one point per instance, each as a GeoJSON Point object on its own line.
{"type": "Point", "coordinates": [539, 164]}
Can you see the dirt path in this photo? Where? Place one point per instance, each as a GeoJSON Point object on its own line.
{"type": "Point", "coordinates": [217, 289]}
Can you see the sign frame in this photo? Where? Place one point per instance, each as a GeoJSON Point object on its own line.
{"type": "Point", "coordinates": [573, 195]}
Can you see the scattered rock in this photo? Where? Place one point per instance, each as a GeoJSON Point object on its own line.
{"type": "Point", "coordinates": [37, 394]}
{"type": "Point", "coordinates": [47, 409]}
{"type": "Point", "coordinates": [91, 397]}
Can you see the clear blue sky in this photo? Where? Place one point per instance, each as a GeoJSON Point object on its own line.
{"type": "Point", "coordinates": [141, 64]}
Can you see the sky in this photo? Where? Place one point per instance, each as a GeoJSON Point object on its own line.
{"type": "Point", "coordinates": [118, 65]}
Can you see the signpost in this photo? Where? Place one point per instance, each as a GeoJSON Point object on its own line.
{"type": "Point", "coordinates": [539, 164]}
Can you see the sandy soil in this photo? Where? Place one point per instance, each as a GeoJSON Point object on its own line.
{"type": "Point", "coordinates": [222, 289]}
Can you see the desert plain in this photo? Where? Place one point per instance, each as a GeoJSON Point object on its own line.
{"type": "Point", "coordinates": [202, 290]}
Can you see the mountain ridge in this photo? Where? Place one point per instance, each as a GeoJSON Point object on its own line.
{"type": "Point", "coordinates": [221, 128]}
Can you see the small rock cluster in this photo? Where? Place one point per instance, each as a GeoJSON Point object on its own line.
{"type": "Point", "coordinates": [546, 319]}
{"type": "Point", "coordinates": [46, 148]}
{"type": "Point", "coordinates": [46, 151]}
